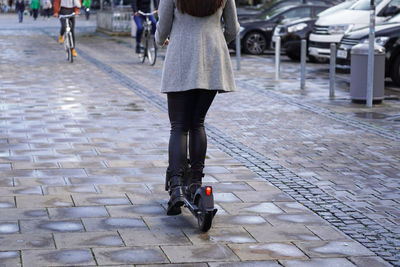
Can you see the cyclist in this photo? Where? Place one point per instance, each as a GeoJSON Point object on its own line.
{"type": "Point", "coordinates": [144, 6]}
{"type": "Point", "coordinates": [86, 5]}
{"type": "Point", "coordinates": [67, 7]}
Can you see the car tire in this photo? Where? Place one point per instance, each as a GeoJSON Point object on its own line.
{"type": "Point", "coordinates": [313, 59]}
{"type": "Point", "coordinates": [395, 71]}
{"type": "Point", "coordinates": [254, 43]}
{"type": "Point", "coordinates": [293, 56]}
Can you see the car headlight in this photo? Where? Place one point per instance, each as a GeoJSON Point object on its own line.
{"type": "Point", "coordinates": [279, 30]}
{"type": "Point", "coordinates": [241, 29]}
{"type": "Point", "coordinates": [381, 40]}
{"type": "Point", "coordinates": [340, 29]}
{"type": "Point", "coordinates": [297, 27]}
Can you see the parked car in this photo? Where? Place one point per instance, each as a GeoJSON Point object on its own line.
{"type": "Point", "coordinates": [386, 34]}
{"type": "Point", "coordinates": [250, 13]}
{"type": "Point", "coordinates": [341, 6]}
{"type": "Point", "coordinates": [292, 32]}
{"type": "Point", "coordinates": [331, 28]}
{"type": "Point", "coordinates": [255, 34]}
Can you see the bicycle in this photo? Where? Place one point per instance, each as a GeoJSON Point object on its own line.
{"type": "Point", "coordinates": [68, 40]}
{"type": "Point", "coordinates": [149, 45]}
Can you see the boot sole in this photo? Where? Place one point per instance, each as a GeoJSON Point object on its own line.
{"type": "Point", "coordinates": [175, 209]}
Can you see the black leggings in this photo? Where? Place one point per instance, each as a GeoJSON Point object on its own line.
{"type": "Point", "coordinates": [187, 111]}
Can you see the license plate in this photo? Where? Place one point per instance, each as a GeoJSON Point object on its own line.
{"type": "Point", "coordinates": [342, 54]}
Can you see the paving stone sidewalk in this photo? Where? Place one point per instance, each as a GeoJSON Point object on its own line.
{"type": "Point", "coordinates": [83, 152]}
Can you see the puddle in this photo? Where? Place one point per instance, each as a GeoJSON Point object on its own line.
{"type": "Point", "coordinates": [109, 201]}
{"type": "Point", "coordinates": [9, 228]}
{"type": "Point", "coordinates": [62, 226]}
{"type": "Point", "coordinates": [35, 213]}
{"type": "Point", "coordinates": [136, 256]}
{"type": "Point", "coordinates": [370, 115]}
{"type": "Point", "coordinates": [147, 210]}
{"type": "Point", "coordinates": [29, 52]}
{"type": "Point", "coordinates": [69, 256]}
{"type": "Point", "coordinates": [9, 254]}
{"type": "Point", "coordinates": [264, 208]}
{"type": "Point", "coordinates": [107, 241]}
{"type": "Point", "coordinates": [232, 239]}
{"type": "Point", "coordinates": [249, 220]}
{"type": "Point", "coordinates": [29, 191]}
{"type": "Point", "coordinates": [124, 222]}
{"type": "Point", "coordinates": [285, 250]}
{"type": "Point", "coordinates": [83, 212]}
{"type": "Point", "coordinates": [296, 218]}
{"type": "Point", "coordinates": [133, 107]}
{"type": "Point", "coordinates": [6, 205]}
{"type": "Point", "coordinates": [39, 243]}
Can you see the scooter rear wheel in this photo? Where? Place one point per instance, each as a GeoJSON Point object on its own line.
{"type": "Point", "coordinates": [204, 218]}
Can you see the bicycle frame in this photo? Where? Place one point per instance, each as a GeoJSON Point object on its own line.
{"type": "Point", "coordinates": [146, 39]}
{"type": "Point", "coordinates": [68, 40]}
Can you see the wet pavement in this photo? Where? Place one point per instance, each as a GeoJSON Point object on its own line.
{"type": "Point", "coordinates": [300, 179]}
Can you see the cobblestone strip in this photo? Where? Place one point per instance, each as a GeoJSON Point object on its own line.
{"type": "Point", "coordinates": [392, 135]}
{"type": "Point", "coordinates": [372, 235]}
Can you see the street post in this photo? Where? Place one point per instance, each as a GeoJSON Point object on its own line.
{"type": "Point", "coordinates": [371, 54]}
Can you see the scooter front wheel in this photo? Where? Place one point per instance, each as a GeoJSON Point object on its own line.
{"type": "Point", "coordinates": [204, 218]}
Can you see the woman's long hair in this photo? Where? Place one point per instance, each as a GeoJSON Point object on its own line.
{"type": "Point", "coordinates": [199, 8]}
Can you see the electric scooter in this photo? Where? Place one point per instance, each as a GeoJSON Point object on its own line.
{"type": "Point", "coordinates": [200, 204]}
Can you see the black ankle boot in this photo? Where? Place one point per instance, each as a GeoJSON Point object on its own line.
{"type": "Point", "coordinates": [195, 183]}
{"type": "Point", "coordinates": [176, 196]}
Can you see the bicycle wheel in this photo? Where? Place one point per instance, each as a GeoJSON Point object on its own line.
{"type": "Point", "coordinates": [68, 52]}
{"type": "Point", "coordinates": [151, 50]}
{"type": "Point", "coordinates": [142, 55]}
{"type": "Point", "coordinates": [70, 45]}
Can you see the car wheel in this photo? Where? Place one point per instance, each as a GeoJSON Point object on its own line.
{"type": "Point", "coordinates": [313, 59]}
{"type": "Point", "coordinates": [254, 43]}
{"type": "Point", "coordinates": [395, 71]}
{"type": "Point", "coordinates": [293, 56]}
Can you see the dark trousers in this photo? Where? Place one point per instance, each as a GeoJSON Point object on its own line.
{"type": "Point", "coordinates": [35, 13]}
{"type": "Point", "coordinates": [187, 111]}
{"type": "Point", "coordinates": [67, 11]}
{"type": "Point", "coordinates": [46, 12]}
{"type": "Point", "coordinates": [20, 15]}
{"type": "Point", "coordinates": [139, 24]}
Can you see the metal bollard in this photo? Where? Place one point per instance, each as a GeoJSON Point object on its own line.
{"type": "Point", "coordinates": [303, 63]}
{"type": "Point", "coordinates": [332, 70]}
{"type": "Point", "coordinates": [238, 50]}
{"type": "Point", "coordinates": [277, 57]}
{"type": "Point", "coordinates": [371, 56]}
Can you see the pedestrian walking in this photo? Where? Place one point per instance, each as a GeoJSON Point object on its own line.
{"type": "Point", "coordinates": [46, 8]}
{"type": "Point", "coordinates": [4, 6]}
{"type": "Point", "coordinates": [196, 67]}
{"type": "Point", "coordinates": [20, 8]}
{"type": "Point", "coordinates": [35, 5]}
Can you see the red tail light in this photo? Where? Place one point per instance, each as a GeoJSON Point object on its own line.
{"type": "Point", "coordinates": [208, 190]}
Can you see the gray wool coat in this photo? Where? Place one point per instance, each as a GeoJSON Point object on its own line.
{"type": "Point", "coordinates": [197, 54]}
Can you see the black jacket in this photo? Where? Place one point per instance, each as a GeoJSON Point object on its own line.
{"type": "Point", "coordinates": [20, 6]}
{"type": "Point", "coordinates": [143, 5]}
